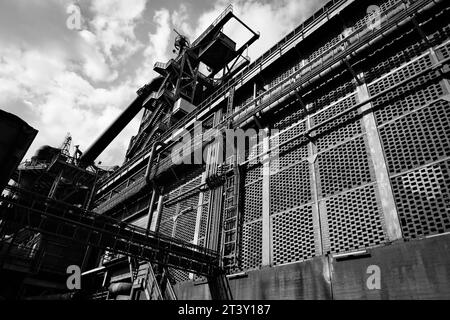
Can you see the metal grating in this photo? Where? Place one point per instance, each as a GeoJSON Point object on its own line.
{"type": "Point", "coordinates": [253, 201]}
{"type": "Point", "coordinates": [293, 235]}
{"type": "Point", "coordinates": [329, 112]}
{"type": "Point", "coordinates": [422, 198]}
{"type": "Point", "coordinates": [203, 221]}
{"type": "Point", "coordinates": [290, 188]}
{"type": "Point", "coordinates": [191, 184]}
{"type": "Point", "coordinates": [204, 215]}
{"type": "Point", "coordinates": [252, 245]}
{"type": "Point", "coordinates": [444, 52]}
{"type": "Point", "coordinates": [418, 138]}
{"type": "Point", "coordinates": [343, 167]}
{"type": "Point", "coordinates": [291, 131]}
{"type": "Point", "coordinates": [340, 129]}
{"type": "Point", "coordinates": [291, 152]}
{"type": "Point", "coordinates": [408, 98]}
{"type": "Point", "coordinates": [353, 220]}
{"type": "Point", "coordinates": [383, 7]}
{"type": "Point", "coordinates": [330, 42]}
{"type": "Point", "coordinates": [319, 100]}
{"type": "Point", "coordinates": [288, 120]}
{"type": "Point", "coordinates": [185, 226]}
{"type": "Point", "coordinates": [402, 48]}
{"type": "Point", "coordinates": [288, 154]}
{"type": "Point", "coordinates": [189, 203]}
{"type": "Point", "coordinates": [252, 173]}
{"type": "Point", "coordinates": [402, 74]}
{"type": "Point", "coordinates": [178, 275]}
{"type": "Point", "coordinates": [166, 225]}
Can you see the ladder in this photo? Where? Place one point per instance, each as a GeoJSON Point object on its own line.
{"type": "Point", "coordinates": [231, 216]}
{"type": "Point", "coordinates": [230, 102]}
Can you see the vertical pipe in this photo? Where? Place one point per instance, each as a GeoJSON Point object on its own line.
{"type": "Point", "coordinates": [150, 210]}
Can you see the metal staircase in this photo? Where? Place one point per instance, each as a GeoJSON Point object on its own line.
{"type": "Point", "coordinates": [149, 286]}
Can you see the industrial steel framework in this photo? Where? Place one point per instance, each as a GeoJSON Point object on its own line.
{"type": "Point", "coordinates": [324, 100]}
{"type": "Point", "coordinates": [361, 159]}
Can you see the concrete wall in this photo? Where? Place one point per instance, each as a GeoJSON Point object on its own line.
{"type": "Point", "coordinates": [408, 270]}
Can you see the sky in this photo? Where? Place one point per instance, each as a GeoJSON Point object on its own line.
{"type": "Point", "coordinates": [63, 80]}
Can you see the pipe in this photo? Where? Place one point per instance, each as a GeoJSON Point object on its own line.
{"type": "Point", "coordinates": [148, 181]}
{"type": "Point", "coordinates": [120, 287]}
{"type": "Point", "coordinates": [150, 211]}
{"type": "Point", "coordinates": [148, 170]}
{"type": "Point", "coordinates": [350, 109]}
{"type": "Point", "coordinates": [117, 126]}
{"type": "Point", "coordinates": [243, 120]}
{"type": "Point", "coordinates": [111, 132]}
{"type": "Point", "coordinates": [159, 211]}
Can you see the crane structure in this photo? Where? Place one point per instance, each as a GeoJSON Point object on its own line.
{"type": "Point", "coordinates": [349, 169]}
{"type": "Point", "coordinates": [46, 199]}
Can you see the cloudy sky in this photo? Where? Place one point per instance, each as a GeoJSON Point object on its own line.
{"type": "Point", "coordinates": [62, 80]}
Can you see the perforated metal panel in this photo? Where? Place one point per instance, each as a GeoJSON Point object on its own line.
{"type": "Point", "coordinates": [396, 59]}
{"type": "Point", "coordinates": [444, 51]}
{"type": "Point", "coordinates": [329, 43]}
{"type": "Point", "coordinates": [183, 210]}
{"type": "Point", "coordinates": [296, 114]}
{"type": "Point", "coordinates": [253, 201]}
{"type": "Point", "coordinates": [178, 275]}
{"type": "Point", "coordinates": [352, 220]}
{"type": "Point", "coordinates": [293, 235]}
{"type": "Point", "coordinates": [383, 5]}
{"type": "Point", "coordinates": [189, 203]}
{"type": "Point", "coordinates": [343, 167]}
{"type": "Point", "coordinates": [404, 73]}
{"type": "Point", "coordinates": [252, 173]}
{"type": "Point", "coordinates": [418, 138]}
{"type": "Point", "coordinates": [289, 153]}
{"type": "Point", "coordinates": [324, 100]}
{"type": "Point", "coordinates": [185, 225]}
{"type": "Point", "coordinates": [398, 102]}
{"type": "Point", "coordinates": [166, 225]}
{"type": "Point", "coordinates": [340, 129]}
{"type": "Point", "coordinates": [204, 217]}
{"type": "Point", "coordinates": [290, 188]}
{"type": "Point", "coordinates": [422, 198]}
{"type": "Point", "coordinates": [251, 245]}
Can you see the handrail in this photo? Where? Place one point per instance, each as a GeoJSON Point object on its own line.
{"type": "Point", "coordinates": [309, 64]}
{"type": "Point", "coordinates": [228, 9]}
{"type": "Point", "coordinates": [223, 89]}
{"type": "Point", "coordinates": [105, 219]}
{"type": "Point", "coordinates": [350, 109]}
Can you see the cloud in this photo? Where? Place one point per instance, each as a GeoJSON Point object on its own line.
{"type": "Point", "coordinates": [95, 65]}
{"type": "Point", "coordinates": [114, 26]}
{"type": "Point", "coordinates": [52, 83]}
{"type": "Point", "coordinates": [60, 80]}
{"type": "Point", "coordinates": [273, 19]}
{"type": "Point", "coordinates": [157, 47]}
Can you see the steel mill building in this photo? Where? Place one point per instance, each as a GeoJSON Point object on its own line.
{"type": "Point", "coordinates": [343, 192]}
